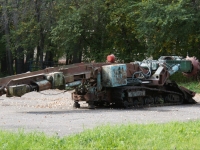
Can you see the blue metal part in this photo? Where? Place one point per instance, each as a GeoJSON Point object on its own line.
{"type": "Point", "coordinates": [174, 69]}
{"type": "Point", "coordinates": [114, 75]}
{"type": "Point", "coordinates": [72, 84]}
{"type": "Point", "coordinates": [99, 86]}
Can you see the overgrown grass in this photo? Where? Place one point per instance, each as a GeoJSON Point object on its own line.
{"type": "Point", "coordinates": [132, 136]}
{"type": "Point", "coordinates": [193, 86]}
{"type": "Point", "coordinates": [191, 83]}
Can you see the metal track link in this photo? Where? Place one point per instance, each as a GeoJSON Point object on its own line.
{"type": "Point", "coordinates": [145, 97]}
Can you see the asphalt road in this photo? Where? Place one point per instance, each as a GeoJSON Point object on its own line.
{"type": "Point", "coordinates": [51, 112]}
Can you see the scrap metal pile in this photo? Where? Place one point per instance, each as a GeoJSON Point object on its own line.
{"type": "Point", "coordinates": [134, 84]}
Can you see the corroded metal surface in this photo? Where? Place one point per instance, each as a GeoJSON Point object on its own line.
{"type": "Point", "coordinates": [114, 75]}
{"type": "Point", "coordinates": [136, 93]}
{"type": "Point", "coordinates": [18, 90]}
{"type": "Point", "coordinates": [127, 84]}
{"type": "Point", "coordinates": [43, 85]}
{"type": "Point", "coordinates": [58, 80]}
{"type": "Point", "coordinates": [195, 66]}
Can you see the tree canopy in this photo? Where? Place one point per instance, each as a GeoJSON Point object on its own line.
{"type": "Point", "coordinates": [41, 32]}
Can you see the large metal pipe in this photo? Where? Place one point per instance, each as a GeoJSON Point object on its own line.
{"type": "Point", "coordinates": [43, 85]}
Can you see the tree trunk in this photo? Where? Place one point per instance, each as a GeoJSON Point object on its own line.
{"type": "Point", "coordinates": [9, 59]}
{"type": "Point", "coordinates": [29, 60]}
{"type": "Point", "coordinates": [68, 59]}
{"type": "Point", "coordinates": [3, 56]}
{"type": "Point", "coordinates": [41, 34]}
{"type": "Point", "coordinates": [3, 65]}
{"type": "Point", "coordinates": [77, 53]}
{"type": "Point", "coordinates": [19, 61]}
{"type": "Point", "coordinates": [49, 59]}
{"type": "Point", "coordinates": [19, 57]}
{"type": "Point", "coordinates": [38, 57]}
{"type": "Point", "coordinates": [41, 45]}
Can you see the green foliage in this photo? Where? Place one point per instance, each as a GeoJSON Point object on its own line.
{"type": "Point", "coordinates": [174, 135]}
{"type": "Point", "coordinates": [180, 78]}
{"type": "Point", "coordinates": [27, 31]}
{"type": "Point", "coordinates": [122, 32]}
{"type": "Point", "coordinates": [89, 29]}
{"type": "Point", "coordinates": [81, 23]}
{"type": "Point", "coordinates": [100, 28]}
{"type": "Point", "coordinates": [167, 27]}
{"type": "Point", "coordinates": [68, 30]}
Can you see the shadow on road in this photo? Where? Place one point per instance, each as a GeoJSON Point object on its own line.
{"type": "Point", "coordinates": [101, 110]}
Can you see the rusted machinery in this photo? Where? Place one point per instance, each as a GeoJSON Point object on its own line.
{"type": "Point", "coordinates": [132, 84]}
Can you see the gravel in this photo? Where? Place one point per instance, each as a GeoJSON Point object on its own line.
{"type": "Point", "coordinates": [51, 112]}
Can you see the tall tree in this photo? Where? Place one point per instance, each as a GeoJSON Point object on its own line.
{"type": "Point", "coordinates": [6, 26]}
{"type": "Point", "coordinates": [166, 27]}
{"type": "Point", "coordinates": [19, 54]}
{"type": "Point", "coordinates": [122, 31]}
{"type": "Point", "coordinates": [87, 30]}
{"type": "Point", "coordinates": [34, 24]}
{"type": "Point", "coordinates": [3, 56]}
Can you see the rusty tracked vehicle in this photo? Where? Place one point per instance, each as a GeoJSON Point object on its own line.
{"type": "Point", "coordinates": [134, 84]}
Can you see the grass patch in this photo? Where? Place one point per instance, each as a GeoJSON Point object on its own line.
{"type": "Point", "coordinates": [193, 86]}
{"type": "Point", "coordinates": [191, 83]}
{"type": "Point", "coordinates": [174, 135]}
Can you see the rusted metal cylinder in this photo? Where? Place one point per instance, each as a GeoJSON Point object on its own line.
{"type": "Point", "coordinates": [195, 67]}
{"type": "Point", "coordinates": [43, 85]}
{"type": "Point", "coordinates": [17, 90]}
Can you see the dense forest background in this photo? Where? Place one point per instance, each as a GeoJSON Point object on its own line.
{"type": "Point", "coordinates": [42, 31]}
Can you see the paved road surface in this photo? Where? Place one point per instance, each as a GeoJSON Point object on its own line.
{"type": "Point", "coordinates": [51, 112]}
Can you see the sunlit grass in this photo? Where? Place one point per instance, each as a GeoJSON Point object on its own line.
{"type": "Point", "coordinates": [132, 136]}
{"type": "Point", "coordinates": [193, 86]}
{"type": "Point", "coordinates": [191, 83]}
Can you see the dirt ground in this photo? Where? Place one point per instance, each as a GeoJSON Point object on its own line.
{"type": "Point", "coordinates": [51, 112]}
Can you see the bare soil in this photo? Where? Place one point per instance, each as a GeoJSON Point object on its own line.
{"type": "Point", "coordinates": [51, 112]}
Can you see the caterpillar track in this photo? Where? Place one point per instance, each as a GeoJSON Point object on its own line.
{"type": "Point", "coordinates": [134, 96]}
{"type": "Point", "coordinates": [139, 96]}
